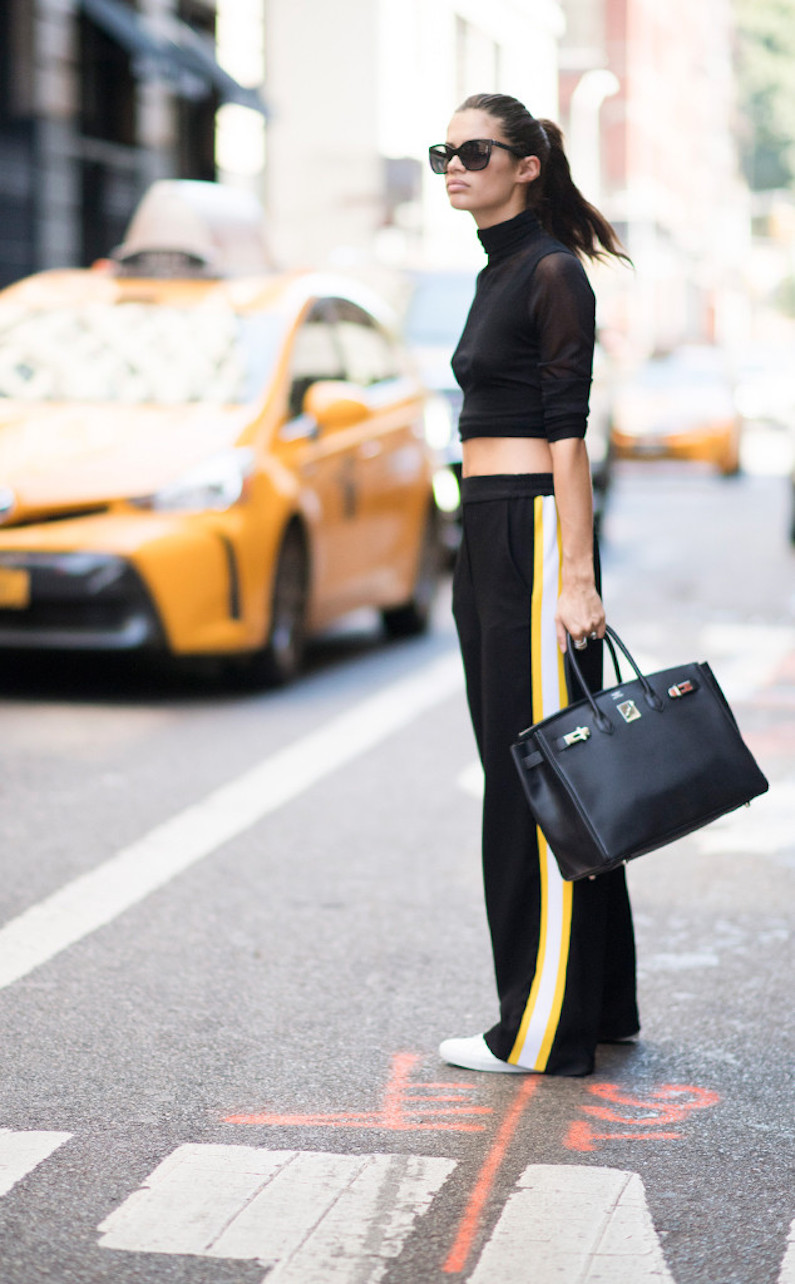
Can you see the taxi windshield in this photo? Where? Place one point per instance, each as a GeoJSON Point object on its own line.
{"type": "Point", "coordinates": [136, 352]}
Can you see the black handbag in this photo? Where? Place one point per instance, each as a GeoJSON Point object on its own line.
{"type": "Point", "coordinates": [634, 766]}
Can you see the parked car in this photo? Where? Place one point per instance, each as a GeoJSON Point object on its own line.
{"type": "Point", "coordinates": [599, 437]}
{"type": "Point", "coordinates": [206, 465]}
{"type": "Point", "coordinates": [434, 317]}
{"type": "Point", "coordinates": [679, 405]}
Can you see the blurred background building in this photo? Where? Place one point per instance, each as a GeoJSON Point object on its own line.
{"type": "Point", "coordinates": [649, 104]}
{"type": "Point", "coordinates": [326, 111]}
{"type": "Point", "coordinates": [356, 106]}
{"type": "Point", "coordinates": [98, 98]}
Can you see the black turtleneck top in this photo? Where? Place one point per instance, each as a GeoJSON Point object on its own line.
{"type": "Point", "coordinates": [524, 358]}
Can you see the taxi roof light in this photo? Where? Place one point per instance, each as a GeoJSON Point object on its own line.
{"type": "Point", "coordinates": [187, 228]}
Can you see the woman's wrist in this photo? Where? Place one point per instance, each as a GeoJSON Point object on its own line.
{"type": "Point", "coordinates": [578, 578]}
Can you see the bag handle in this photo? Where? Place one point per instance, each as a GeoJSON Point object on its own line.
{"type": "Point", "coordinates": [611, 637]}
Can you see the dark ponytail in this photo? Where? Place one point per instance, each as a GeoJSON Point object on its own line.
{"type": "Point", "coordinates": [559, 205]}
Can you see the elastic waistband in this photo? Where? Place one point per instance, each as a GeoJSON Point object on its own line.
{"type": "Point", "coordinates": [476, 490]}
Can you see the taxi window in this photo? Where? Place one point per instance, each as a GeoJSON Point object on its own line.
{"type": "Point", "coordinates": [369, 354]}
{"type": "Point", "coordinates": [135, 352]}
{"type": "Point", "coordinates": [316, 355]}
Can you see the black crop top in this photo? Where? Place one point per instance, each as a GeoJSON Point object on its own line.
{"type": "Point", "coordinates": [525, 356]}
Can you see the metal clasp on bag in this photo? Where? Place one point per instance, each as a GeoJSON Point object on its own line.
{"type": "Point", "coordinates": [575, 737]}
{"type": "Point", "coordinates": [681, 689]}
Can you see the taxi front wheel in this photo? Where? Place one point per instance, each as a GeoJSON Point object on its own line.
{"type": "Point", "coordinates": [281, 658]}
{"type": "Point", "coordinates": [414, 616]}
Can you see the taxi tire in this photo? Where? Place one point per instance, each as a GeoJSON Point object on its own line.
{"type": "Point", "coordinates": [281, 659]}
{"type": "Point", "coordinates": [729, 465]}
{"type": "Point", "coordinates": [414, 616]}
{"type": "Point", "coordinates": [729, 459]}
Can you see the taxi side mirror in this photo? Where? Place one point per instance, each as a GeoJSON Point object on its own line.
{"type": "Point", "coordinates": [333, 403]}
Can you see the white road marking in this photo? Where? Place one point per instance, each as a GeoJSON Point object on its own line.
{"type": "Point", "coordinates": [21, 1152]}
{"type": "Point", "coordinates": [310, 1218]}
{"type": "Point", "coordinates": [574, 1225]}
{"type": "Point", "coordinates": [683, 962]}
{"type": "Point", "coordinates": [787, 1275]}
{"type": "Point", "coordinates": [98, 897]}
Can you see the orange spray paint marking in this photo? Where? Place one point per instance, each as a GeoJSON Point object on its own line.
{"type": "Point", "coordinates": [406, 1106]}
{"type": "Point", "coordinates": [671, 1103]}
{"type": "Point", "coordinates": [473, 1213]}
{"type": "Point", "coordinates": [581, 1136]}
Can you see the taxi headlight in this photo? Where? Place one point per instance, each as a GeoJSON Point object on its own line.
{"type": "Point", "coordinates": [446, 491]}
{"type": "Point", "coordinates": [215, 484]}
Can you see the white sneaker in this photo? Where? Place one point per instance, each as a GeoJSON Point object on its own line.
{"type": "Point", "coordinates": [475, 1054]}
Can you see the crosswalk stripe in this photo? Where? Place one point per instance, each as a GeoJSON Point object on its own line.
{"type": "Point", "coordinates": [98, 897]}
{"type": "Point", "coordinates": [310, 1217]}
{"type": "Point", "coordinates": [21, 1152]}
{"type": "Point", "coordinates": [574, 1223]}
{"type": "Point", "coordinates": [787, 1275]}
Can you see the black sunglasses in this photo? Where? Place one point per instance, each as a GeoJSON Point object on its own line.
{"type": "Point", "coordinates": [475, 153]}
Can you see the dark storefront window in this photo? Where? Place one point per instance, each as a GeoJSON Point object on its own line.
{"type": "Point", "coordinates": [17, 213]}
{"type": "Point", "coordinates": [107, 86]}
{"type": "Point", "coordinates": [108, 197]}
{"type": "Point", "coordinates": [196, 117]}
{"type": "Point", "coordinates": [109, 187]}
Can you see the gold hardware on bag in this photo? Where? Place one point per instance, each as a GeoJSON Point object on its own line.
{"type": "Point", "coordinates": [681, 689]}
{"type": "Point", "coordinates": [629, 711]}
{"type": "Point", "coordinates": [574, 737]}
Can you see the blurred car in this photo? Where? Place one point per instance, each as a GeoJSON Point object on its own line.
{"type": "Point", "coordinates": [679, 405]}
{"type": "Point", "coordinates": [202, 465]}
{"type": "Point", "coordinates": [599, 437]}
{"type": "Point", "coordinates": [434, 317]}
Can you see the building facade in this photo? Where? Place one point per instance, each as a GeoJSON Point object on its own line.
{"type": "Point", "coordinates": [359, 89]}
{"type": "Point", "coordinates": [97, 99]}
{"type": "Point", "coordinates": [647, 97]}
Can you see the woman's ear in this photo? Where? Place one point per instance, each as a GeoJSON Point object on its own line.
{"type": "Point", "coordinates": [528, 170]}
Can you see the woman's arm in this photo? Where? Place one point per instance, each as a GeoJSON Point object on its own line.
{"type": "Point", "coordinates": [579, 611]}
{"type": "Point", "coordinates": [562, 310]}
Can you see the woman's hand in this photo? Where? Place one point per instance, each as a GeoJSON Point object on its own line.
{"type": "Point", "coordinates": [579, 612]}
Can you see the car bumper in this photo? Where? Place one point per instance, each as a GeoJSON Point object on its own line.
{"type": "Point", "coordinates": [128, 582]}
{"type": "Point", "coordinates": [710, 445]}
{"type": "Point", "coordinates": [75, 602]}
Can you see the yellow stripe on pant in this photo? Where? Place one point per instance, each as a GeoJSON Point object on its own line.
{"type": "Point", "coordinates": [542, 1013]}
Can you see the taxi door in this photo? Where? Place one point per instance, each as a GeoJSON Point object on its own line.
{"type": "Point", "coordinates": [392, 480]}
{"type": "Point", "coordinates": [325, 463]}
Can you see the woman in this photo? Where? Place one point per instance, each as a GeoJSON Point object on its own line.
{"type": "Point", "coordinates": [527, 576]}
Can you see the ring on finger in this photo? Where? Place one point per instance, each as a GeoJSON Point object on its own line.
{"type": "Point", "coordinates": [581, 645]}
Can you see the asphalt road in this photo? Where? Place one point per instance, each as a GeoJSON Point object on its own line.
{"type": "Point", "coordinates": [237, 926]}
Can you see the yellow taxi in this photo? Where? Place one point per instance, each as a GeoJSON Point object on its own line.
{"type": "Point", "coordinates": [679, 405]}
{"type": "Point", "coordinates": [206, 465]}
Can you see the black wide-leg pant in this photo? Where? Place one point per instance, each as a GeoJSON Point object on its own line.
{"type": "Point", "coordinates": [564, 953]}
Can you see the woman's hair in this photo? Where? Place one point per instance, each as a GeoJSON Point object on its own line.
{"type": "Point", "coordinates": [559, 206]}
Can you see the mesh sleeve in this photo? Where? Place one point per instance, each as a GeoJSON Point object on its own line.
{"type": "Point", "coordinates": [562, 310]}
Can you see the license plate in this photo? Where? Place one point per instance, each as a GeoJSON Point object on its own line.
{"type": "Point", "coordinates": [14, 588]}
